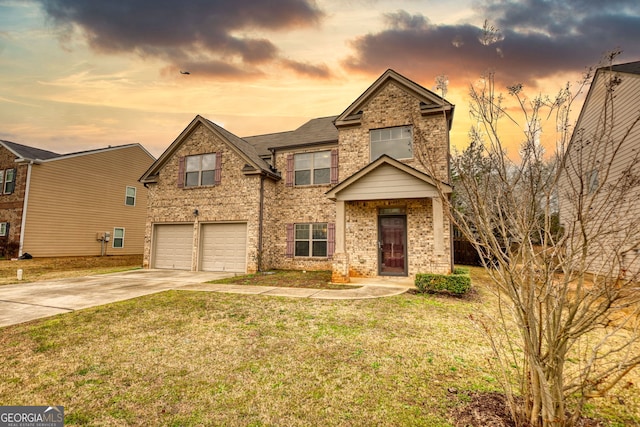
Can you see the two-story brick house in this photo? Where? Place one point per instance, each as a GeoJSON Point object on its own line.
{"type": "Point", "coordinates": [348, 193]}
{"type": "Point", "coordinates": [55, 205]}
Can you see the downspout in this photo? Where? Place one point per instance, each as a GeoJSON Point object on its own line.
{"type": "Point", "coordinates": [23, 223]}
{"type": "Point", "coordinates": [260, 220]}
{"type": "Point", "coordinates": [452, 262]}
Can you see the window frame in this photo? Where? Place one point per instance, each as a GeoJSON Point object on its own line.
{"type": "Point", "coordinates": [114, 238]}
{"type": "Point", "coordinates": [312, 169]}
{"type": "Point", "coordinates": [6, 181]}
{"type": "Point", "coordinates": [390, 140]}
{"type": "Point", "coordinates": [3, 229]}
{"type": "Point", "coordinates": [312, 226]}
{"type": "Point", "coordinates": [200, 170]}
{"type": "Point", "coordinates": [593, 181]}
{"type": "Point", "coordinates": [127, 196]}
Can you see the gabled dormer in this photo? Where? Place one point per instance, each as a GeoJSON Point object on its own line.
{"type": "Point", "coordinates": [429, 103]}
{"type": "Point", "coordinates": [398, 118]}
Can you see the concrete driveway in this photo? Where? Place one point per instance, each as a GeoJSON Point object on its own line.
{"type": "Point", "coordinates": [27, 301]}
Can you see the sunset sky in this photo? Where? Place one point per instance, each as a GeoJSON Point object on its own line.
{"type": "Point", "coordinates": [78, 74]}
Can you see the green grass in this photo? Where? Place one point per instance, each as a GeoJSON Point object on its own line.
{"type": "Point", "coordinates": [195, 358]}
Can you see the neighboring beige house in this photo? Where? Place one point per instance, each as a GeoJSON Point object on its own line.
{"type": "Point", "coordinates": [62, 204]}
{"type": "Point", "coordinates": [602, 173]}
{"type": "Point", "coordinates": [346, 193]}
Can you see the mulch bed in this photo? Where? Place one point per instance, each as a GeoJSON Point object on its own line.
{"type": "Point", "coordinates": [490, 410]}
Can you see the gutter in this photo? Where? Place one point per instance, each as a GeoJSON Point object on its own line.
{"type": "Point", "coordinates": [260, 221]}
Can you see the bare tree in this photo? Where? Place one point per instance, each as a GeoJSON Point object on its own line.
{"type": "Point", "coordinates": [565, 331]}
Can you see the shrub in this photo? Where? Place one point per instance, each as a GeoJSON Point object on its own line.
{"type": "Point", "coordinates": [9, 249]}
{"type": "Point", "coordinates": [457, 283]}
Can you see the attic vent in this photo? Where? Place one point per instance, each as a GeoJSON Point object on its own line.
{"type": "Point", "coordinates": [355, 116]}
{"type": "Point", "coordinates": [425, 106]}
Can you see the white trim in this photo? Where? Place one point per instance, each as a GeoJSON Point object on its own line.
{"type": "Point", "coordinates": [3, 190]}
{"type": "Point", "coordinates": [126, 195]}
{"type": "Point", "coordinates": [3, 229]}
{"type": "Point", "coordinates": [113, 238]}
{"type": "Point", "coordinates": [312, 168]}
{"type": "Point", "coordinates": [310, 239]}
{"type": "Point", "coordinates": [25, 203]}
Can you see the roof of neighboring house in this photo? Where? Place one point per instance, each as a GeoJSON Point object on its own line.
{"type": "Point", "coordinates": [629, 67]}
{"type": "Point", "coordinates": [99, 150]}
{"type": "Point", "coordinates": [315, 131]}
{"type": "Point", "coordinates": [36, 154]}
{"type": "Point", "coordinates": [28, 153]}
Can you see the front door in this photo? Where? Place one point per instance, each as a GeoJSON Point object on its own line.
{"type": "Point", "coordinates": [392, 245]}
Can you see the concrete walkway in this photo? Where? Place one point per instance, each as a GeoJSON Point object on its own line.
{"type": "Point", "coordinates": [28, 301]}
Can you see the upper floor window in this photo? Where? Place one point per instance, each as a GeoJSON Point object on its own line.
{"type": "Point", "coordinates": [130, 196]}
{"type": "Point", "coordinates": [7, 181]}
{"type": "Point", "coordinates": [395, 142]}
{"type": "Point", "coordinates": [4, 226]}
{"type": "Point", "coordinates": [200, 170]}
{"type": "Point", "coordinates": [118, 237]}
{"type": "Point", "coordinates": [312, 168]}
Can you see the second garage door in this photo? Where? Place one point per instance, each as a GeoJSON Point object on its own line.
{"type": "Point", "coordinates": [224, 247]}
{"type": "Point", "coordinates": [173, 245]}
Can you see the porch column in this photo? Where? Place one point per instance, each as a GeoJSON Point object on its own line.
{"type": "Point", "coordinates": [340, 273]}
{"type": "Point", "coordinates": [438, 225]}
{"type": "Point", "coordinates": [340, 226]}
{"type": "Point", "coordinates": [195, 259]}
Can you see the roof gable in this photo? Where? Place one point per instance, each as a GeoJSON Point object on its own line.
{"type": "Point", "coordinates": [429, 101]}
{"type": "Point", "coordinates": [245, 150]}
{"type": "Point", "coordinates": [596, 91]}
{"type": "Point", "coordinates": [387, 175]}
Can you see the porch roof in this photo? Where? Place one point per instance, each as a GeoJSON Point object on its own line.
{"type": "Point", "coordinates": [387, 178]}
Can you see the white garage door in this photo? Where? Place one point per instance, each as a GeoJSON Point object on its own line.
{"type": "Point", "coordinates": [173, 245]}
{"type": "Point", "coordinates": [224, 247]}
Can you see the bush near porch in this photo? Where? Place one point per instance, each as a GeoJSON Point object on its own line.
{"type": "Point", "coordinates": [457, 283]}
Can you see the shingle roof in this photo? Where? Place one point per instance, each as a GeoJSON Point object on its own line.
{"type": "Point", "coordinates": [242, 145]}
{"type": "Point", "coordinates": [315, 131]}
{"type": "Point", "coordinates": [27, 152]}
{"type": "Point", "coordinates": [629, 67]}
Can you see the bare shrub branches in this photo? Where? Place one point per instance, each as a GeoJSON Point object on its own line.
{"type": "Point", "coordinates": [558, 233]}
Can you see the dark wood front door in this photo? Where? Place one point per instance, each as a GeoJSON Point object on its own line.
{"type": "Point", "coordinates": [392, 245]}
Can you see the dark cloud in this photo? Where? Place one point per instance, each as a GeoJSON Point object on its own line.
{"type": "Point", "coordinates": [187, 32]}
{"type": "Point", "coordinates": [537, 39]}
{"type": "Point", "coordinates": [309, 70]}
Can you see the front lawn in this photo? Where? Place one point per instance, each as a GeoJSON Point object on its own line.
{"type": "Point", "coordinates": [183, 358]}
{"type": "Point", "coordinates": [63, 267]}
